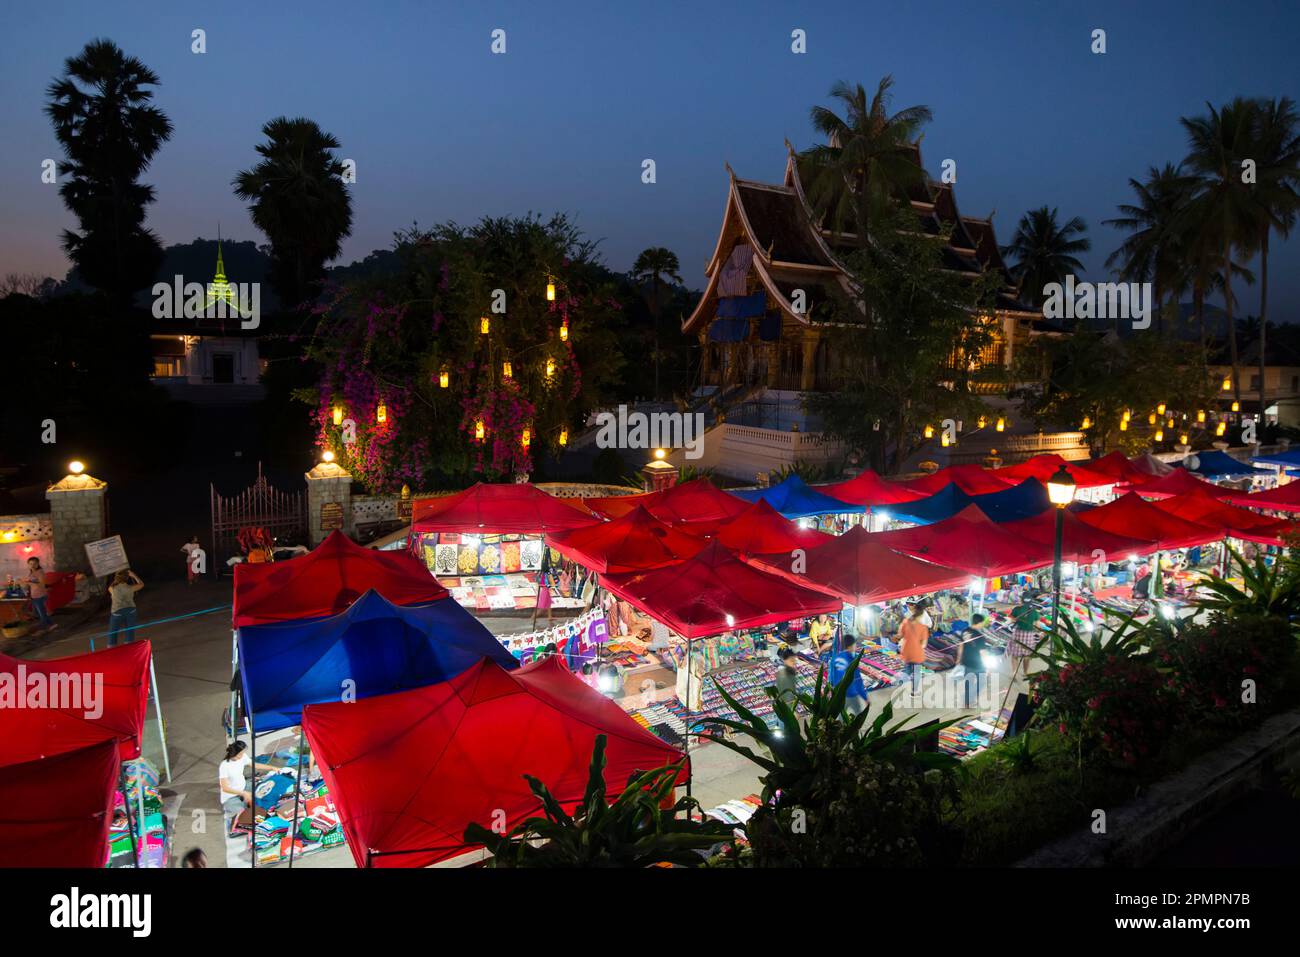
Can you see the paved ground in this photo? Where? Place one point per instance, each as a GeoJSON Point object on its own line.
{"type": "Point", "coordinates": [190, 631]}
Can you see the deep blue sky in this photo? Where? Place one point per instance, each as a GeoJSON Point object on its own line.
{"type": "Point", "coordinates": [442, 129]}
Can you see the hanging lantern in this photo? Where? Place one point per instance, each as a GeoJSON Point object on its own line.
{"type": "Point", "coordinates": [1170, 424]}
{"type": "Point", "coordinates": [550, 292]}
{"type": "Point", "coordinates": [929, 431]}
{"type": "Point", "coordinates": [1236, 406]}
{"type": "Point", "coordinates": [1200, 416]}
{"type": "Point", "coordinates": [1002, 424]}
{"type": "Point", "coordinates": [479, 430]}
{"type": "Point", "coordinates": [1123, 425]}
{"type": "Point", "coordinates": [1160, 409]}
{"type": "Point", "coordinates": [526, 438]}
{"type": "Point", "coordinates": [943, 440]}
{"type": "Point", "coordinates": [1160, 435]}
{"type": "Point", "coordinates": [381, 413]}
{"type": "Point", "coordinates": [983, 421]}
{"type": "Point", "coordinates": [338, 415]}
{"type": "Point", "coordinates": [1227, 383]}
{"type": "Point", "coordinates": [1182, 439]}
{"type": "Point", "coordinates": [550, 368]}
{"type": "Point", "coordinates": [1087, 423]}
{"type": "Point", "coordinates": [1151, 419]}
{"type": "Point", "coordinates": [1221, 428]}
{"type": "Point", "coordinates": [507, 371]}
{"type": "Point", "coordinates": [444, 379]}
{"type": "Point", "coordinates": [484, 325]}
{"type": "Point", "coordinates": [564, 436]}
{"type": "Point", "coordinates": [564, 331]}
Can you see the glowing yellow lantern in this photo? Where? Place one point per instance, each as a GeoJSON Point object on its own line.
{"type": "Point", "coordinates": [484, 325]}
{"type": "Point", "coordinates": [943, 440]}
{"type": "Point", "coordinates": [564, 436]}
{"type": "Point", "coordinates": [929, 431]}
{"type": "Point", "coordinates": [550, 368]}
{"type": "Point", "coordinates": [507, 370]}
{"type": "Point", "coordinates": [1087, 423]}
{"type": "Point", "coordinates": [338, 415]}
{"type": "Point", "coordinates": [1200, 416]}
{"type": "Point", "coordinates": [1160, 409]}
{"type": "Point", "coordinates": [983, 421]}
{"type": "Point", "coordinates": [1236, 406]}
{"type": "Point", "coordinates": [1127, 415]}
{"type": "Point", "coordinates": [1221, 428]}
{"type": "Point", "coordinates": [1182, 439]}
{"type": "Point", "coordinates": [381, 413]}
{"type": "Point", "coordinates": [1170, 423]}
{"type": "Point", "coordinates": [550, 292]}
{"type": "Point", "coordinates": [564, 331]}
{"type": "Point", "coordinates": [1123, 425]}
{"type": "Point", "coordinates": [444, 379]}
{"type": "Point", "coordinates": [526, 438]}
{"type": "Point", "coordinates": [1160, 435]}
{"type": "Point", "coordinates": [1002, 424]}
{"type": "Point", "coordinates": [1227, 383]}
{"type": "Point", "coordinates": [479, 430]}
{"type": "Point", "coordinates": [1151, 419]}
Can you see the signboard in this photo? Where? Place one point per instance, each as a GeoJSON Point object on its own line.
{"type": "Point", "coordinates": [106, 556]}
{"type": "Point", "coordinates": [331, 515]}
{"type": "Point", "coordinates": [404, 509]}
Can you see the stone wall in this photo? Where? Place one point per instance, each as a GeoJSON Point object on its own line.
{"type": "Point", "coordinates": [77, 515]}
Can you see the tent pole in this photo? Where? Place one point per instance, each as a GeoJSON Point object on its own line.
{"type": "Point", "coordinates": [252, 792]}
{"type": "Point", "coordinates": [1011, 680]}
{"type": "Point", "coordinates": [157, 705]}
{"type": "Point", "coordinates": [297, 795]}
{"type": "Point", "coordinates": [686, 738]}
{"type": "Point", "coordinates": [126, 804]}
{"type": "Point", "coordinates": [139, 784]}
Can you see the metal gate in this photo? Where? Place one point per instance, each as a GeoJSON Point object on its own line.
{"type": "Point", "coordinates": [261, 505]}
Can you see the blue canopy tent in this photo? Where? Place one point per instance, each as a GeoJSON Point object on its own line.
{"type": "Point", "coordinates": [375, 645]}
{"type": "Point", "coordinates": [945, 503]}
{"type": "Point", "coordinates": [1216, 464]}
{"type": "Point", "coordinates": [1025, 500]}
{"type": "Point", "coordinates": [1290, 458]}
{"type": "Point", "coordinates": [793, 498]}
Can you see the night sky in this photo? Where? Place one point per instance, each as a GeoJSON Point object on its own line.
{"type": "Point", "coordinates": [442, 129]}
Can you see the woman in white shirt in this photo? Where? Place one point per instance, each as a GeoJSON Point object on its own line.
{"type": "Point", "coordinates": [235, 795]}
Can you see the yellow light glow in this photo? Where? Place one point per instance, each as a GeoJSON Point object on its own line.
{"type": "Point", "coordinates": [381, 413]}
{"type": "Point", "coordinates": [1227, 383]}
{"type": "Point", "coordinates": [550, 368]}
{"type": "Point", "coordinates": [479, 429]}
{"type": "Point", "coordinates": [76, 467]}
{"type": "Point", "coordinates": [1221, 428]}
{"type": "Point", "coordinates": [1160, 435]}
{"type": "Point", "coordinates": [1127, 415]}
{"type": "Point", "coordinates": [943, 440]}
{"type": "Point", "coordinates": [444, 379]}
{"type": "Point", "coordinates": [982, 421]}
{"type": "Point", "coordinates": [564, 331]}
{"type": "Point", "coordinates": [1170, 424]}
{"type": "Point", "coordinates": [1182, 439]}
{"type": "Point", "coordinates": [1236, 406]}
{"type": "Point", "coordinates": [9, 535]}
{"type": "Point", "coordinates": [1160, 409]}
{"type": "Point", "coordinates": [526, 439]}
{"type": "Point", "coordinates": [484, 325]}
{"type": "Point", "coordinates": [1002, 424]}
{"type": "Point", "coordinates": [338, 415]}
{"type": "Point", "coordinates": [1200, 415]}
{"type": "Point", "coordinates": [1151, 419]}
{"type": "Point", "coordinates": [1087, 422]}
{"type": "Point", "coordinates": [564, 436]}
{"type": "Point", "coordinates": [327, 456]}
{"type": "Point", "coordinates": [1123, 425]}
{"type": "Point", "coordinates": [660, 453]}
{"type": "Point", "coordinates": [550, 292]}
{"type": "Point", "coordinates": [929, 431]}
{"type": "Point", "coordinates": [507, 370]}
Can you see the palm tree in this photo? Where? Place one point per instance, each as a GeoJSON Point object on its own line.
{"type": "Point", "coordinates": [298, 199]}
{"type": "Point", "coordinates": [104, 119]}
{"type": "Point", "coordinates": [1045, 251]}
{"type": "Point", "coordinates": [1223, 207]}
{"type": "Point", "coordinates": [869, 157]}
{"type": "Point", "coordinates": [1276, 151]}
{"type": "Point", "coordinates": [1152, 253]}
{"type": "Point", "coordinates": [650, 269]}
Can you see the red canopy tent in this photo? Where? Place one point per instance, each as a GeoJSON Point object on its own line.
{"type": "Point", "coordinates": [1079, 540]}
{"type": "Point", "coordinates": [694, 502]}
{"type": "Point", "coordinates": [98, 695]}
{"type": "Point", "coordinates": [859, 570]}
{"type": "Point", "coordinates": [1197, 506]}
{"type": "Point", "coordinates": [1284, 498]}
{"type": "Point", "coordinates": [761, 528]}
{"type": "Point", "coordinates": [1178, 482]}
{"type": "Point", "coordinates": [715, 592]}
{"type": "Point", "coordinates": [871, 490]}
{"type": "Point", "coordinates": [514, 508]}
{"type": "Point", "coordinates": [1043, 467]}
{"type": "Point", "coordinates": [409, 770]}
{"type": "Point", "coordinates": [1148, 463]}
{"type": "Point", "coordinates": [616, 506]}
{"type": "Point", "coordinates": [971, 542]}
{"type": "Point", "coordinates": [1130, 515]}
{"type": "Point", "coordinates": [634, 542]}
{"type": "Point", "coordinates": [1119, 468]}
{"type": "Point", "coordinates": [56, 811]}
{"type": "Point", "coordinates": [971, 479]}
{"type": "Point", "coordinates": [326, 581]}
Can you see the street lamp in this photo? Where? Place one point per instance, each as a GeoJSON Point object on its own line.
{"type": "Point", "coordinates": [1060, 492]}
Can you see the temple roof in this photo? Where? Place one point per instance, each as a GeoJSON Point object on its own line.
{"type": "Point", "coordinates": [777, 220]}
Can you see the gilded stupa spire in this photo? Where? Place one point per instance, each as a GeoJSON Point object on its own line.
{"type": "Point", "coordinates": [220, 290]}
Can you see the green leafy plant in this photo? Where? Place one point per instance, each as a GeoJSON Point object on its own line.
{"type": "Point", "coordinates": [639, 829]}
{"type": "Point", "coordinates": [1266, 589]}
{"type": "Point", "coordinates": [1023, 754]}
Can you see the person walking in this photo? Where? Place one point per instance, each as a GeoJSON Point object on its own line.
{"type": "Point", "coordinates": [787, 677]}
{"type": "Point", "coordinates": [191, 548]}
{"type": "Point", "coordinates": [121, 616]}
{"type": "Point", "coordinates": [855, 699]}
{"type": "Point", "coordinates": [38, 593]}
{"type": "Point", "coordinates": [913, 636]}
{"type": "Point", "coordinates": [974, 644]}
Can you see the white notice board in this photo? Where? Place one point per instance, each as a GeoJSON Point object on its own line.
{"type": "Point", "coordinates": [106, 556]}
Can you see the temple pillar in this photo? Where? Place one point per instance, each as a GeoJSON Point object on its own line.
{"type": "Point", "coordinates": [808, 372]}
{"type": "Point", "coordinates": [329, 502]}
{"type": "Point", "coordinates": [77, 516]}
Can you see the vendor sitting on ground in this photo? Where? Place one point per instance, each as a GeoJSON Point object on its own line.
{"type": "Point", "coordinates": [235, 795]}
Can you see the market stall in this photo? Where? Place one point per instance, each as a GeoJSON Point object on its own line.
{"type": "Point", "coordinates": [410, 770]}
{"type": "Point", "coordinates": [970, 478]}
{"type": "Point", "coordinates": [1284, 498]}
{"type": "Point", "coordinates": [793, 498]}
{"type": "Point", "coordinates": [58, 808]}
{"type": "Point", "coordinates": [633, 542]}
{"type": "Point", "coordinates": [1178, 482]}
{"type": "Point", "coordinates": [761, 528]}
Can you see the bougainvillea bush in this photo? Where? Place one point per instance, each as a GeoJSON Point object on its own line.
{"type": "Point", "coordinates": [384, 340]}
{"type": "Point", "coordinates": [1230, 670]}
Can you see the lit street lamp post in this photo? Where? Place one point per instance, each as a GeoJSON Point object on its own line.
{"type": "Point", "coordinates": [1060, 491]}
